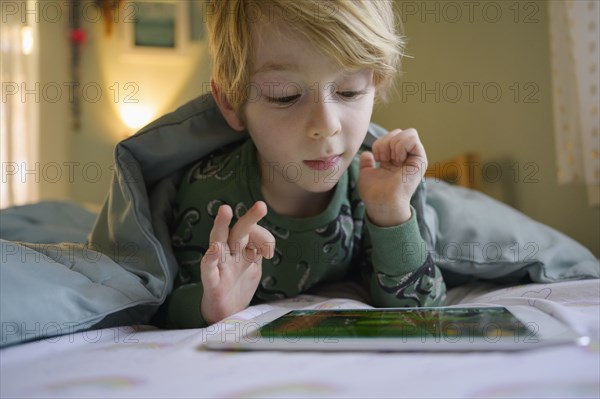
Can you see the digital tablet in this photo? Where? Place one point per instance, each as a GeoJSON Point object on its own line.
{"type": "Point", "coordinates": [396, 329]}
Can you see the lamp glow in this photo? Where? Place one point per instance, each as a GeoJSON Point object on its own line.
{"type": "Point", "coordinates": [136, 115]}
{"type": "Point", "coordinates": [27, 40]}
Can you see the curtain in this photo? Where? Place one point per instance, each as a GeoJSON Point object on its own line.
{"type": "Point", "coordinates": [19, 107]}
{"type": "Point", "coordinates": [574, 32]}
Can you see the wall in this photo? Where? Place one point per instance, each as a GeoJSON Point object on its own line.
{"type": "Point", "coordinates": [479, 49]}
{"type": "Point", "coordinates": [159, 82]}
{"type": "Point", "coordinates": [111, 77]}
{"type": "Point", "coordinates": [52, 171]}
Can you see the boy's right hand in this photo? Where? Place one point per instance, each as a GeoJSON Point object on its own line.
{"type": "Point", "coordinates": [232, 267]}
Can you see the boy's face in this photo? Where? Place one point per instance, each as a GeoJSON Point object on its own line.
{"type": "Point", "coordinates": [306, 117]}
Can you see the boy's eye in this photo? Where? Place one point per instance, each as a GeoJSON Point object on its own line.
{"type": "Point", "coordinates": [350, 94]}
{"type": "Point", "coordinates": [283, 100]}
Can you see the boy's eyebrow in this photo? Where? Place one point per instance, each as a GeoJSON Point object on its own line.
{"type": "Point", "coordinates": [276, 66]}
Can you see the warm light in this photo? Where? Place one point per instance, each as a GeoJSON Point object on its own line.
{"type": "Point", "coordinates": [136, 115]}
{"type": "Point", "coordinates": [27, 40]}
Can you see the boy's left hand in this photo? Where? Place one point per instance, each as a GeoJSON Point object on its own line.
{"type": "Point", "coordinates": [386, 190]}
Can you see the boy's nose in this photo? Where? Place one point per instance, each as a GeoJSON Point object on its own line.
{"type": "Point", "coordinates": [322, 134]}
{"type": "Point", "coordinates": [324, 122]}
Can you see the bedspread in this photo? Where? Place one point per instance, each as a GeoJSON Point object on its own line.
{"type": "Point", "coordinates": [141, 361]}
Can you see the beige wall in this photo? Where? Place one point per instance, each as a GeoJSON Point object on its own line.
{"type": "Point", "coordinates": [512, 131]}
{"type": "Point", "coordinates": [55, 128]}
{"type": "Point", "coordinates": [480, 51]}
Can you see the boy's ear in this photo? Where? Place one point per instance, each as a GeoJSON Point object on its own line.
{"type": "Point", "coordinates": [226, 109]}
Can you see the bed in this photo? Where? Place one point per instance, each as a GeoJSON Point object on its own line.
{"type": "Point", "coordinates": [142, 361]}
{"type": "Point", "coordinates": [78, 290]}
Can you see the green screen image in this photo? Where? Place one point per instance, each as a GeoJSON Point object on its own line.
{"type": "Point", "coordinates": [450, 324]}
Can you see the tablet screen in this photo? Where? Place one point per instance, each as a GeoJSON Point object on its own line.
{"type": "Point", "coordinates": [409, 323]}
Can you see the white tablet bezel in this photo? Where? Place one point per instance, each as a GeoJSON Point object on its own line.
{"type": "Point", "coordinates": [238, 336]}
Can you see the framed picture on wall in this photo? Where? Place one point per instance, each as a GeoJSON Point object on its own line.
{"type": "Point", "coordinates": [156, 27]}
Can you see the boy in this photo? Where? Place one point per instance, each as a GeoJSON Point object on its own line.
{"type": "Point", "coordinates": [296, 204]}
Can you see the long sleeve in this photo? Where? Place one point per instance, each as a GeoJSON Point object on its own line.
{"type": "Point", "coordinates": [183, 307]}
{"type": "Point", "coordinates": [397, 267]}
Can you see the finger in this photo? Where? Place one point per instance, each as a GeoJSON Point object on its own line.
{"type": "Point", "coordinates": [251, 254]}
{"type": "Point", "coordinates": [367, 160]}
{"type": "Point", "coordinates": [407, 144]}
{"type": "Point", "coordinates": [209, 265]}
{"type": "Point", "coordinates": [401, 148]}
{"type": "Point", "coordinates": [381, 147]}
{"type": "Point", "coordinates": [220, 229]}
{"type": "Point", "coordinates": [417, 155]}
{"type": "Point", "coordinates": [238, 236]}
{"type": "Point", "coordinates": [261, 241]}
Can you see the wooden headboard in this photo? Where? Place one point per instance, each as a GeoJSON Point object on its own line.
{"type": "Point", "coordinates": [462, 170]}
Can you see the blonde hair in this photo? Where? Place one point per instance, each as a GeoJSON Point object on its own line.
{"type": "Point", "coordinates": [354, 33]}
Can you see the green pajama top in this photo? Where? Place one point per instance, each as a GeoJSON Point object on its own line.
{"type": "Point", "coordinates": [339, 243]}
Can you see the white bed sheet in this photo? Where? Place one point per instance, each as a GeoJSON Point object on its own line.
{"type": "Point", "coordinates": [145, 362]}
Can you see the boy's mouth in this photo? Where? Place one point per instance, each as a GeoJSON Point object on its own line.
{"type": "Point", "coordinates": [323, 163]}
